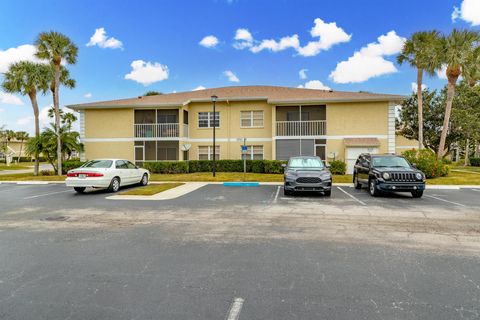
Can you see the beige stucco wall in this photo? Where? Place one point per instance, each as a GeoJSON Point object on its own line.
{"type": "Point", "coordinates": [357, 118]}
{"type": "Point", "coordinates": [109, 123]}
{"type": "Point", "coordinates": [338, 146]}
{"type": "Point", "coordinates": [231, 150]}
{"type": "Point", "coordinates": [96, 150]}
{"type": "Point", "coordinates": [402, 144]}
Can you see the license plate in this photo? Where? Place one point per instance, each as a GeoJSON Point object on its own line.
{"type": "Point", "coordinates": [82, 176]}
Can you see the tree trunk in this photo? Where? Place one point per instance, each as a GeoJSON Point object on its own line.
{"type": "Point", "coordinates": [420, 107]}
{"type": "Point", "coordinates": [467, 151]}
{"type": "Point", "coordinates": [56, 105]}
{"type": "Point", "coordinates": [33, 99]}
{"type": "Point", "coordinates": [446, 118]}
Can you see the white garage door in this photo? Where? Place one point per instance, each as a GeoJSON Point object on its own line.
{"type": "Point", "coordinates": [354, 152]}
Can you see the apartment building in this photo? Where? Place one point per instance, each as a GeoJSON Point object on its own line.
{"type": "Point", "coordinates": [274, 122]}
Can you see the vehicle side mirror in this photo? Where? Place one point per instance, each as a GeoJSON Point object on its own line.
{"type": "Point", "coordinates": [284, 165]}
{"type": "Point", "coordinates": [414, 165]}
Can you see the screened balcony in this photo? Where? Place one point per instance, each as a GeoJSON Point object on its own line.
{"type": "Point", "coordinates": [301, 121]}
{"type": "Point", "coordinates": [157, 123]}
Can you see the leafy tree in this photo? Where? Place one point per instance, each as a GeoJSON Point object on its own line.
{"type": "Point", "coordinates": [47, 144]}
{"type": "Point", "coordinates": [471, 72]}
{"type": "Point", "coordinates": [456, 50]}
{"type": "Point", "coordinates": [152, 93]}
{"type": "Point", "coordinates": [68, 119]}
{"type": "Point", "coordinates": [28, 78]}
{"type": "Point", "coordinates": [421, 52]}
{"type": "Point", "coordinates": [56, 48]}
{"type": "Point", "coordinates": [21, 136]}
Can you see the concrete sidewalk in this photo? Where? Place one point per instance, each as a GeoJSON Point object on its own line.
{"type": "Point", "coordinates": [43, 166]}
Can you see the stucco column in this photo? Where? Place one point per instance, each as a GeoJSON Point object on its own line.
{"type": "Point", "coordinates": [180, 133]}
{"type": "Point", "coordinates": [274, 132]}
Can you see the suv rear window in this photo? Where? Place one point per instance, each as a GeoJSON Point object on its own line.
{"type": "Point", "coordinates": [98, 164]}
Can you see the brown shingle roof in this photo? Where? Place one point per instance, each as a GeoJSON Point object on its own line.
{"type": "Point", "coordinates": [273, 94]}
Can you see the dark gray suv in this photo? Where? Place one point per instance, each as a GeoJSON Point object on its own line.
{"type": "Point", "coordinates": [307, 174]}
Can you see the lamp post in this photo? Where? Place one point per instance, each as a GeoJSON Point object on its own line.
{"type": "Point", "coordinates": [214, 99]}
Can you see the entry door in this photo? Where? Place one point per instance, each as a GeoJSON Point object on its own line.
{"type": "Point", "coordinates": [320, 151]}
{"type": "Point", "coordinates": [139, 154]}
{"type": "Point", "coordinates": [354, 152]}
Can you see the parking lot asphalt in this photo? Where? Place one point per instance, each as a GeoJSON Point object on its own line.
{"type": "Point", "coordinates": [253, 250]}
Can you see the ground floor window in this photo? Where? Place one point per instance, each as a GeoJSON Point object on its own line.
{"type": "Point", "coordinates": [206, 152]}
{"type": "Point", "coordinates": [253, 153]}
{"type": "Point", "coordinates": [156, 151]}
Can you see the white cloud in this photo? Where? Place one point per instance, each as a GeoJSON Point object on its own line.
{"type": "Point", "coordinates": [314, 84]}
{"type": "Point", "coordinates": [147, 73]}
{"type": "Point", "coordinates": [243, 39]}
{"type": "Point", "coordinates": [442, 72]}
{"type": "Point", "coordinates": [469, 11]}
{"type": "Point", "coordinates": [328, 34]}
{"type": "Point", "coordinates": [87, 95]}
{"type": "Point", "coordinates": [199, 88]}
{"type": "Point", "coordinates": [43, 119]}
{"type": "Point", "coordinates": [100, 39]}
{"type": "Point", "coordinates": [231, 76]}
{"type": "Point", "coordinates": [2, 110]}
{"type": "Point", "coordinates": [24, 121]}
{"type": "Point", "coordinates": [303, 74]}
{"type": "Point", "coordinates": [9, 98]}
{"type": "Point", "coordinates": [20, 53]}
{"type": "Point", "coordinates": [369, 61]}
{"type": "Point", "coordinates": [415, 87]}
{"type": "Point", "coordinates": [209, 41]}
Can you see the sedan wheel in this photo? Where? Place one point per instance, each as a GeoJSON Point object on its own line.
{"type": "Point", "coordinates": [144, 181]}
{"type": "Point", "coordinates": [114, 185]}
{"type": "Point", "coordinates": [79, 189]}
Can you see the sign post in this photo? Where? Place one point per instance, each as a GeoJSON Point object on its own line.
{"type": "Point", "coordinates": [244, 155]}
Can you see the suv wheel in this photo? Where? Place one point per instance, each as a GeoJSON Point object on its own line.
{"type": "Point", "coordinates": [417, 193]}
{"type": "Point", "coordinates": [327, 193]}
{"type": "Point", "coordinates": [372, 188]}
{"type": "Point", "coordinates": [357, 184]}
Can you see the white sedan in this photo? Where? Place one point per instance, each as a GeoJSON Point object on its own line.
{"type": "Point", "coordinates": [106, 173]}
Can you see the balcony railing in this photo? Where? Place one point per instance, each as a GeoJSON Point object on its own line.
{"type": "Point", "coordinates": [156, 130]}
{"type": "Point", "coordinates": [302, 128]}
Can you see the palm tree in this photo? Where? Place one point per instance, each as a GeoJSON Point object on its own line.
{"type": "Point", "coordinates": [21, 136]}
{"type": "Point", "coordinates": [421, 52]}
{"type": "Point", "coordinates": [457, 48]}
{"type": "Point", "coordinates": [68, 119]}
{"type": "Point", "coordinates": [28, 78]}
{"type": "Point", "coordinates": [471, 72]}
{"type": "Point", "coordinates": [56, 48]}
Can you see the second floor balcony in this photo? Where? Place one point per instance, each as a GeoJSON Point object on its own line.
{"type": "Point", "coordinates": [157, 130]}
{"type": "Point", "coordinates": [301, 128]}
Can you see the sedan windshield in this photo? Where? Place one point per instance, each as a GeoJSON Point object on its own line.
{"type": "Point", "coordinates": [305, 163]}
{"type": "Point", "coordinates": [390, 162]}
{"type": "Point", "coordinates": [98, 164]}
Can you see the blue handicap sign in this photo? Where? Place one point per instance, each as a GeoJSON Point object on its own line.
{"type": "Point", "coordinates": [244, 148]}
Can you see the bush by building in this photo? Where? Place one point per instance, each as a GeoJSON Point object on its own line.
{"type": "Point", "coordinates": [475, 162]}
{"type": "Point", "coordinates": [338, 167]}
{"type": "Point", "coordinates": [426, 161]}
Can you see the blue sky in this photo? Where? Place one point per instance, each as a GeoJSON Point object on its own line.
{"type": "Point", "coordinates": [161, 41]}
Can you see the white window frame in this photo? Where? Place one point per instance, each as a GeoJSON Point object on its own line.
{"type": "Point", "coordinates": [249, 154]}
{"type": "Point", "coordinates": [210, 152]}
{"type": "Point", "coordinates": [210, 119]}
{"type": "Point", "coordinates": [251, 118]}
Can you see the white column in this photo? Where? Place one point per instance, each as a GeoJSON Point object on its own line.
{"type": "Point", "coordinates": [391, 127]}
{"type": "Point", "coordinates": [81, 118]}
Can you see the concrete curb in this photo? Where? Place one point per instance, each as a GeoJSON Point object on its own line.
{"type": "Point", "coordinates": [165, 195]}
{"type": "Point", "coordinates": [433, 187]}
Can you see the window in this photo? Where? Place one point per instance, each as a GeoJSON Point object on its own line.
{"type": "Point", "coordinates": [130, 165]}
{"type": "Point", "coordinates": [251, 119]}
{"type": "Point", "coordinates": [206, 152]}
{"type": "Point", "coordinates": [254, 153]}
{"type": "Point", "coordinates": [120, 164]}
{"type": "Point", "coordinates": [98, 164]}
{"type": "Point", "coordinates": [205, 119]}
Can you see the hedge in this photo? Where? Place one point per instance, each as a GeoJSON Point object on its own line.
{"type": "Point", "coordinates": [427, 162]}
{"type": "Point", "coordinates": [191, 166]}
{"type": "Point", "coordinates": [475, 162]}
{"type": "Point", "coordinates": [338, 167]}
{"type": "Point", "coordinates": [71, 164]}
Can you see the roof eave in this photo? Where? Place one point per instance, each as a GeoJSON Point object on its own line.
{"type": "Point", "coordinates": [317, 101]}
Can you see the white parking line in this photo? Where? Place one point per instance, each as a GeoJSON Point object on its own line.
{"type": "Point", "coordinates": [276, 194]}
{"type": "Point", "coordinates": [235, 309]}
{"type": "Point", "coordinates": [440, 199]}
{"type": "Point", "coordinates": [354, 198]}
{"type": "Point", "coordinates": [476, 190]}
{"type": "Point", "coordinates": [46, 194]}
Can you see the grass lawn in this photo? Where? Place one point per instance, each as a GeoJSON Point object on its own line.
{"type": "Point", "coordinates": [456, 177]}
{"type": "Point", "coordinates": [470, 169]}
{"type": "Point", "coordinates": [29, 177]}
{"type": "Point", "coordinates": [151, 189]}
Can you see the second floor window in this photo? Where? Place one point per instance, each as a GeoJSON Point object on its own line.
{"type": "Point", "coordinates": [206, 119]}
{"type": "Point", "coordinates": [251, 119]}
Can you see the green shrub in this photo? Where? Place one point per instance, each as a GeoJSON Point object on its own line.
{"type": "Point", "coordinates": [47, 173]}
{"type": "Point", "coordinates": [71, 164]}
{"type": "Point", "coordinates": [257, 166]}
{"type": "Point", "coordinates": [199, 166]}
{"type": "Point", "coordinates": [338, 167]}
{"type": "Point", "coordinates": [166, 167]}
{"type": "Point", "coordinates": [427, 162]}
{"type": "Point", "coordinates": [23, 159]}
{"type": "Point", "coordinates": [274, 166]}
{"type": "Point", "coordinates": [475, 162]}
